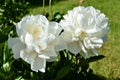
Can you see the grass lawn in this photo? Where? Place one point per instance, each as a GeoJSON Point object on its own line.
{"type": "Point", "coordinates": [108, 67]}
{"type": "Point", "coordinates": [60, 6]}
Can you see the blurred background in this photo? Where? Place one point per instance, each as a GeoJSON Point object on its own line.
{"type": "Point", "coordinates": [11, 11]}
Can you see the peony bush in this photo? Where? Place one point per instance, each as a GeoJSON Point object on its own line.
{"type": "Point", "coordinates": [57, 49]}
{"type": "Point", "coordinates": [38, 41]}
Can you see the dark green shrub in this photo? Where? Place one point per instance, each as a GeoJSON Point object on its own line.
{"type": "Point", "coordinates": [11, 11]}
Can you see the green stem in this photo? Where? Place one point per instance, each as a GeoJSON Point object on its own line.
{"type": "Point", "coordinates": [62, 58]}
{"type": "Point", "coordinates": [43, 6]}
{"type": "Point", "coordinates": [50, 8]}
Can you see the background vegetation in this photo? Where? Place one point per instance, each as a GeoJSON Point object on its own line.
{"type": "Point", "coordinates": [107, 68]}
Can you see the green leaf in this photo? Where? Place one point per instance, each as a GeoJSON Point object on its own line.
{"type": "Point", "coordinates": [95, 58]}
{"type": "Point", "coordinates": [1, 54]}
{"type": "Point", "coordinates": [19, 78]}
{"type": "Point", "coordinates": [57, 17]}
{"type": "Point", "coordinates": [6, 53]}
{"type": "Point", "coordinates": [63, 72]}
{"type": "Point", "coordinates": [2, 75]}
{"type": "Point", "coordinates": [3, 37]}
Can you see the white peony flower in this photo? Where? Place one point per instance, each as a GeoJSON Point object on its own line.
{"type": "Point", "coordinates": [85, 29]}
{"type": "Point", "coordinates": [36, 41]}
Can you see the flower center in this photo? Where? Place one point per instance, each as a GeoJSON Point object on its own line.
{"type": "Point", "coordinates": [35, 32]}
{"type": "Point", "coordinates": [79, 35]}
{"type": "Point", "coordinates": [82, 35]}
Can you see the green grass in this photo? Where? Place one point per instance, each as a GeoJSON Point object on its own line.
{"type": "Point", "coordinates": [108, 67]}
{"type": "Point", "coordinates": [61, 6]}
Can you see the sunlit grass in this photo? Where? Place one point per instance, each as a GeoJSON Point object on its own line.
{"type": "Point", "coordinates": [61, 6]}
{"type": "Point", "coordinates": [108, 67]}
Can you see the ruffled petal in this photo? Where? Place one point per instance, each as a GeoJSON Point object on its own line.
{"type": "Point", "coordinates": [90, 52]}
{"type": "Point", "coordinates": [74, 47]}
{"type": "Point", "coordinates": [61, 45]}
{"type": "Point", "coordinates": [66, 36]}
{"type": "Point", "coordinates": [96, 42]}
{"type": "Point", "coordinates": [16, 49]}
{"type": "Point", "coordinates": [19, 30]}
{"type": "Point", "coordinates": [50, 38]}
{"type": "Point", "coordinates": [29, 41]}
{"type": "Point", "coordinates": [13, 41]}
{"type": "Point", "coordinates": [50, 52]}
{"type": "Point", "coordinates": [38, 65]}
{"type": "Point", "coordinates": [28, 57]}
{"type": "Point", "coordinates": [43, 56]}
{"type": "Point", "coordinates": [54, 28]}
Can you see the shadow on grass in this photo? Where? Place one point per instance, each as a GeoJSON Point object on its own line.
{"type": "Point", "coordinates": [95, 77]}
{"type": "Point", "coordinates": [35, 3]}
{"type": "Point", "coordinates": [91, 76]}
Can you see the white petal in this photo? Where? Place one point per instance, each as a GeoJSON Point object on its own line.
{"type": "Point", "coordinates": [80, 19]}
{"type": "Point", "coordinates": [28, 57]}
{"type": "Point", "coordinates": [12, 42]}
{"type": "Point", "coordinates": [54, 28]}
{"type": "Point", "coordinates": [83, 48]}
{"type": "Point", "coordinates": [97, 42]}
{"type": "Point", "coordinates": [74, 47]}
{"type": "Point", "coordinates": [87, 43]}
{"type": "Point", "coordinates": [31, 43]}
{"type": "Point", "coordinates": [16, 49]}
{"type": "Point", "coordinates": [61, 45]}
{"type": "Point", "coordinates": [51, 59]}
{"type": "Point", "coordinates": [92, 43]}
{"type": "Point", "coordinates": [91, 52]}
{"type": "Point", "coordinates": [50, 52]}
{"type": "Point", "coordinates": [101, 19]}
{"type": "Point", "coordinates": [67, 36]}
{"type": "Point", "coordinates": [38, 20]}
{"type": "Point", "coordinates": [50, 38]}
{"type": "Point", "coordinates": [43, 45]}
{"type": "Point", "coordinates": [84, 51]}
{"type": "Point", "coordinates": [19, 29]}
{"type": "Point", "coordinates": [66, 25]}
{"type": "Point", "coordinates": [42, 20]}
{"type": "Point", "coordinates": [38, 64]}
{"type": "Point", "coordinates": [42, 56]}
{"type": "Point", "coordinates": [21, 25]}
{"type": "Point", "coordinates": [95, 52]}
{"type": "Point", "coordinates": [88, 52]}
{"type": "Point", "coordinates": [101, 32]}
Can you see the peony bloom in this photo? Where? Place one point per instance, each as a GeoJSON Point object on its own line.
{"type": "Point", "coordinates": [36, 41]}
{"type": "Point", "coordinates": [85, 29]}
